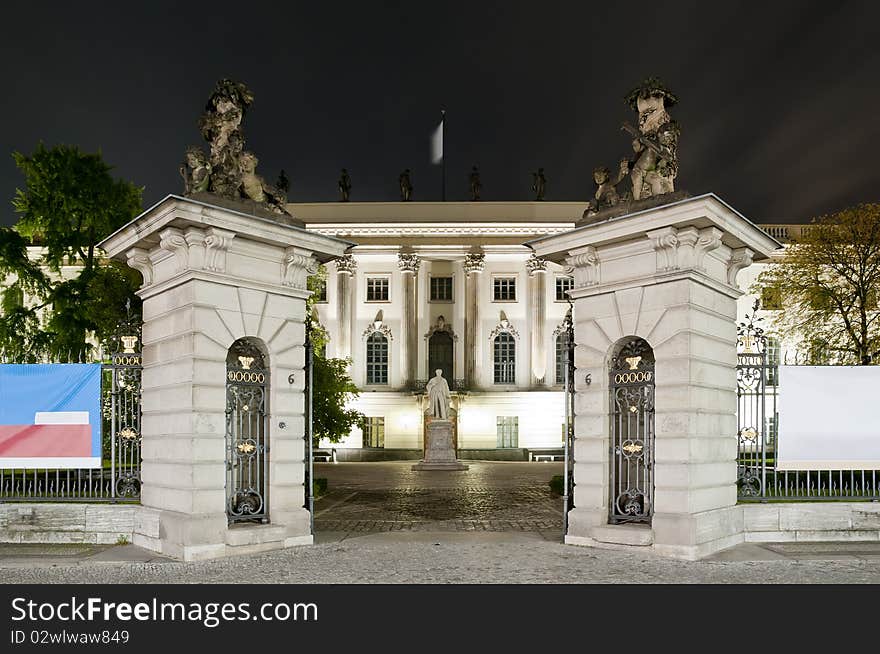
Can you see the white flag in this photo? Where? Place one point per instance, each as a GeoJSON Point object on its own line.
{"type": "Point", "coordinates": [437, 144]}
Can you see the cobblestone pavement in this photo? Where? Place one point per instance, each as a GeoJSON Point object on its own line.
{"type": "Point", "coordinates": [390, 496]}
{"type": "Point", "coordinates": [456, 557]}
{"type": "Point", "coordinates": [496, 523]}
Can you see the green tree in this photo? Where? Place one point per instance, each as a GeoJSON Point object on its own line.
{"type": "Point", "coordinates": [827, 286]}
{"type": "Point", "coordinates": [333, 388]}
{"type": "Point", "coordinates": [69, 203]}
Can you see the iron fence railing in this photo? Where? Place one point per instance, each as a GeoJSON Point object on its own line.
{"type": "Point", "coordinates": [758, 478]}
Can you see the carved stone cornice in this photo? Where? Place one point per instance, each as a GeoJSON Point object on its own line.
{"type": "Point", "coordinates": [408, 263]}
{"type": "Point", "coordinates": [296, 268]}
{"type": "Point", "coordinates": [139, 259]}
{"type": "Point", "coordinates": [585, 267]}
{"type": "Point", "coordinates": [739, 259]}
{"type": "Point", "coordinates": [474, 262]}
{"type": "Point", "coordinates": [172, 240]}
{"type": "Point", "coordinates": [216, 245]}
{"type": "Point", "coordinates": [535, 264]}
{"type": "Point", "coordinates": [346, 264]}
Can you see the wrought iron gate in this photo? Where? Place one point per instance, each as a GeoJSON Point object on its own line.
{"type": "Point", "coordinates": [247, 383]}
{"type": "Point", "coordinates": [751, 398]}
{"type": "Point", "coordinates": [632, 433]}
{"type": "Point", "coordinates": [568, 435]}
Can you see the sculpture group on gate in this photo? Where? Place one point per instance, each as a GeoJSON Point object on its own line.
{"type": "Point", "coordinates": [228, 171]}
{"type": "Point", "coordinates": [654, 166]}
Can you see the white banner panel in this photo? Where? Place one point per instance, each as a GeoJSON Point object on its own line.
{"type": "Point", "coordinates": [829, 418]}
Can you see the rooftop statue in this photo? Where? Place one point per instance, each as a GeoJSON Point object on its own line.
{"type": "Point", "coordinates": [539, 184]}
{"type": "Point", "coordinates": [406, 187]}
{"type": "Point", "coordinates": [344, 185]}
{"type": "Point", "coordinates": [228, 171]}
{"type": "Point", "coordinates": [475, 183]}
{"type": "Point", "coordinates": [653, 171]}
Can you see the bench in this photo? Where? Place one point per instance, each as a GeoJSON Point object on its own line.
{"type": "Point", "coordinates": [546, 455]}
{"type": "Point", "coordinates": [324, 455]}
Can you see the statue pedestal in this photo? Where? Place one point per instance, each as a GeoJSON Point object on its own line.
{"type": "Point", "coordinates": [439, 453]}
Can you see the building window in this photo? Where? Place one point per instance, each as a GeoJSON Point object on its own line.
{"type": "Point", "coordinates": [377, 359]}
{"type": "Point", "coordinates": [374, 432]}
{"type": "Point", "coordinates": [563, 286]}
{"type": "Point", "coordinates": [377, 289]}
{"type": "Point", "coordinates": [561, 350]}
{"type": "Point", "coordinates": [772, 361]}
{"type": "Point", "coordinates": [504, 349]}
{"type": "Point", "coordinates": [441, 289]}
{"type": "Point", "coordinates": [504, 289]}
{"type": "Point", "coordinates": [508, 431]}
{"type": "Point", "coordinates": [321, 291]}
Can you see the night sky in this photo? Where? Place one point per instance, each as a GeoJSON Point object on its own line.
{"type": "Point", "coordinates": [779, 102]}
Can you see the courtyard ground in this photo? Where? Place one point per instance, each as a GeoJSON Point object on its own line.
{"type": "Point", "coordinates": [495, 523]}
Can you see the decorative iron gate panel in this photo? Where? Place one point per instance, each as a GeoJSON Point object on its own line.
{"type": "Point", "coordinates": [568, 433]}
{"type": "Point", "coordinates": [247, 382]}
{"type": "Point", "coordinates": [751, 398]}
{"type": "Point", "coordinates": [632, 433]}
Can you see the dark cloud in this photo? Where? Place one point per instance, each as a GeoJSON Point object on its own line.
{"type": "Point", "coordinates": [777, 101]}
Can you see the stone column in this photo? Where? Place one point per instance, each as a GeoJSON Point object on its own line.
{"type": "Point", "coordinates": [345, 270]}
{"type": "Point", "coordinates": [473, 266]}
{"type": "Point", "coordinates": [537, 269]}
{"type": "Point", "coordinates": [409, 267]}
{"type": "Point", "coordinates": [665, 275]}
{"type": "Point", "coordinates": [210, 277]}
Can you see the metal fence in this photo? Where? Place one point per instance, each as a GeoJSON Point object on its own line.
{"type": "Point", "coordinates": [758, 479]}
{"type": "Point", "coordinates": [119, 478]}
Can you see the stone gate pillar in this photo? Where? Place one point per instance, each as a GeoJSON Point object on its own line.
{"type": "Point", "coordinates": [665, 275]}
{"type": "Point", "coordinates": [211, 276]}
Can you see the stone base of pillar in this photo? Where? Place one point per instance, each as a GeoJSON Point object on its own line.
{"type": "Point", "coordinates": [199, 538]}
{"type": "Point", "coordinates": [680, 536]}
{"type": "Point", "coordinates": [439, 452]}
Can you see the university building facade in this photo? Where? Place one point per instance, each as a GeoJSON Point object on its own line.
{"type": "Point", "coordinates": [448, 286]}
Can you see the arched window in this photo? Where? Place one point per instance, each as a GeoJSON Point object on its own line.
{"type": "Point", "coordinates": [377, 358]}
{"type": "Point", "coordinates": [504, 349]}
{"type": "Point", "coordinates": [561, 349]}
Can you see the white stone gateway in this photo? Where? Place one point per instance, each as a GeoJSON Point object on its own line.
{"type": "Point", "coordinates": [213, 276]}
{"type": "Point", "coordinates": [655, 408]}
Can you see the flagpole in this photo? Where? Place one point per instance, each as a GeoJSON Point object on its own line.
{"type": "Point", "coordinates": [443, 149]}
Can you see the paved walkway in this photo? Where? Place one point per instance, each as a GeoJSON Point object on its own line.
{"type": "Point", "coordinates": [496, 523]}
{"type": "Point", "coordinates": [451, 557]}
{"type": "Point", "coordinates": [390, 496]}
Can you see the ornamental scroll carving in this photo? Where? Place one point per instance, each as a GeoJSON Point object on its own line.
{"type": "Point", "coordinates": [297, 268]}
{"type": "Point", "coordinates": [408, 263]}
{"type": "Point", "coordinates": [535, 264]}
{"type": "Point", "coordinates": [139, 259]}
{"type": "Point", "coordinates": [585, 267]}
{"type": "Point", "coordinates": [474, 262]}
{"type": "Point", "coordinates": [346, 264]}
{"type": "Point", "coordinates": [684, 248]}
{"type": "Point", "coordinates": [739, 259]}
